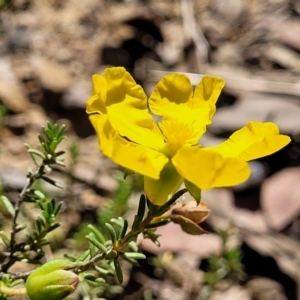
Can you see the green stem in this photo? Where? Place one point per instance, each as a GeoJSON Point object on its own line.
{"type": "Point", "coordinates": [30, 181]}
{"type": "Point", "coordinates": [11, 291]}
{"type": "Point", "coordinates": [149, 218]}
{"type": "Point", "coordinates": [133, 233]}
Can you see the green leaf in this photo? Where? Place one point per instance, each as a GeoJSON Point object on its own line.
{"type": "Point", "coordinates": [124, 229]}
{"type": "Point", "coordinates": [133, 261]}
{"type": "Point", "coordinates": [57, 208]}
{"type": "Point", "coordinates": [20, 227]}
{"type": "Point", "coordinates": [119, 222]}
{"type": "Point", "coordinates": [54, 226]}
{"type": "Point", "coordinates": [61, 130]}
{"type": "Point", "coordinates": [49, 133]}
{"type": "Point", "coordinates": [33, 153]}
{"type": "Point", "coordinates": [112, 233]}
{"type": "Point", "coordinates": [88, 276]}
{"type": "Point", "coordinates": [39, 226]}
{"type": "Point", "coordinates": [50, 207]}
{"type": "Point", "coordinates": [52, 182]}
{"type": "Point", "coordinates": [97, 233]}
{"type": "Point", "coordinates": [39, 195]}
{"type": "Point", "coordinates": [140, 213]}
{"type": "Point", "coordinates": [41, 205]}
{"type": "Point", "coordinates": [5, 238]}
{"type": "Point", "coordinates": [70, 257]}
{"type": "Point", "coordinates": [59, 153]}
{"type": "Point", "coordinates": [17, 282]}
{"type": "Point", "coordinates": [150, 234]}
{"type": "Point", "coordinates": [136, 222]}
{"type": "Point", "coordinates": [84, 256]}
{"type": "Point", "coordinates": [135, 255]}
{"type": "Point", "coordinates": [158, 224]}
{"type": "Point", "coordinates": [45, 215]}
{"type": "Point", "coordinates": [111, 255]}
{"type": "Point", "coordinates": [6, 207]}
{"type": "Point", "coordinates": [142, 206]}
{"type": "Point", "coordinates": [96, 243]}
{"type": "Point", "coordinates": [103, 271]}
{"type": "Point", "coordinates": [133, 246]}
{"type": "Point", "coordinates": [118, 270]}
{"type": "Point", "coordinates": [53, 145]}
{"type": "Point", "coordinates": [42, 140]}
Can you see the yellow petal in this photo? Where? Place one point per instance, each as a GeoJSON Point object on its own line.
{"type": "Point", "coordinates": [97, 102]}
{"type": "Point", "coordinates": [253, 141]}
{"type": "Point", "coordinates": [127, 108]}
{"type": "Point", "coordinates": [159, 191]}
{"type": "Point", "coordinates": [207, 169]}
{"type": "Point", "coordinates": [206, 95]}
{"type": "Point", "coordinates": [171, 96]}
{"type": "Point", "coordinates": [135, 157]}
{"type": "Point", "coordinates": [121, 86]}
{"type": "Point", "coordinates": [173, 99]}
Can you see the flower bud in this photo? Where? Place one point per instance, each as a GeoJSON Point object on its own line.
{"type": "Point", "coordinates": [52, 281]}
{"type": "Point", "coordinates": [189, 214]}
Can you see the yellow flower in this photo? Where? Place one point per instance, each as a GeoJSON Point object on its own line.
{"type": "Point", "coordinates": [163, 144]}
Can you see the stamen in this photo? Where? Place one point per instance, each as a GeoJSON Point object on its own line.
{"type": "Point", "coordinates": [177, 134]}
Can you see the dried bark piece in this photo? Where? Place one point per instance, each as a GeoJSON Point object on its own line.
{"type": "Point", "coordinates": [53, 76]}
{"type": "Point", "coordinates": [280, 198]}
{"type": "Point", "coordinates": [234, 292]}
{"type": "Point", "coordinates": [12, 96]}
{"type": "Point", "coordinates": [282, 110]}
{"type": "Point", "coordinates": [175, 240]}
{"type": "Point", "coordinates": [265, 289]}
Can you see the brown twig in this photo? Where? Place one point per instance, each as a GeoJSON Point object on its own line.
{"type": "Point", "coordinates": [192, 30]}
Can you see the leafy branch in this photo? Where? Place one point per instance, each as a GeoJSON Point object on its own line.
{"type": "Point", "coordinates": [44, 159]}
{"type": "Point", "coordinates": [101, 262]}
{"type": "Point", "coordinates": [122, 243]}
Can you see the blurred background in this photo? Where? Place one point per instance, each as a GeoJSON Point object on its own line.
{"type": "Point", "coordinates": [48, 52]}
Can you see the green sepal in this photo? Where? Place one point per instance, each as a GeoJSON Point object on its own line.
{"type": "Point", "coordinates": [159, 190]}
{"type": "Point", "coordinates": [193, 190]}
{"type": "Point", "coordinates": [165, 207]}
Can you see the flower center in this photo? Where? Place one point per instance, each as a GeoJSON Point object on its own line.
{"type": "Point", "coordinates": [176, 135]}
